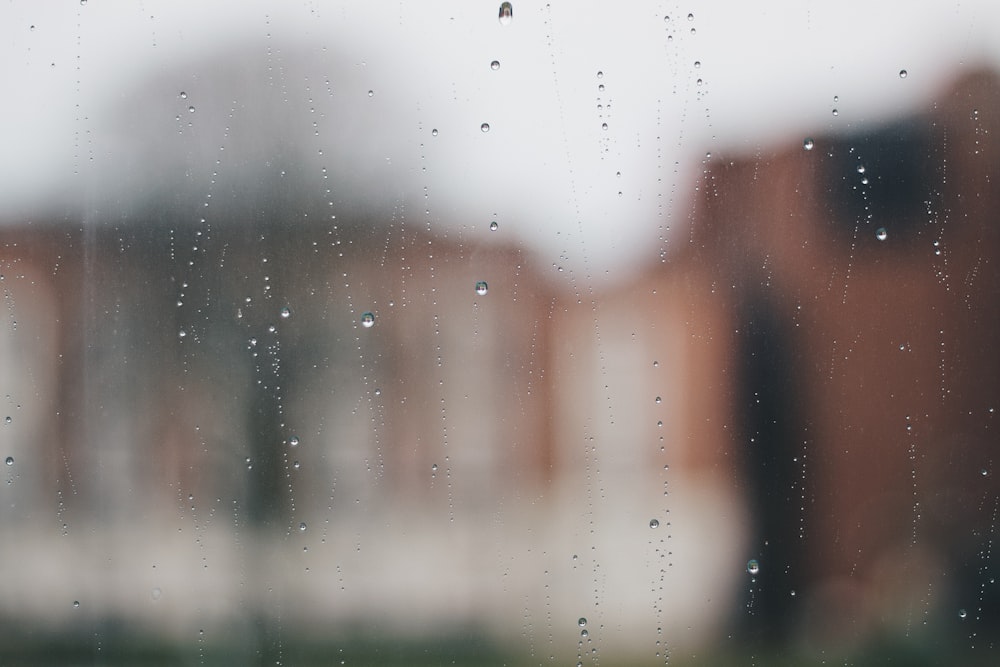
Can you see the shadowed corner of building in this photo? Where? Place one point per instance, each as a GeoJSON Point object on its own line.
{"type": "Point", "coordinates": [861, 270]}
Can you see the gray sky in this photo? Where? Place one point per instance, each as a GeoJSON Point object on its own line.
{"type": "Point", "coordinates": [733, 77]}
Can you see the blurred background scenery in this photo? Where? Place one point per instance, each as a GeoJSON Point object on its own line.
{"type": "Point", "coordinates": [519, 334]}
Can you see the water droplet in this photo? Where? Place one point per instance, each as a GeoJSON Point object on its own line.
{"type": "Point", "coordinates": [191, 109]}
{"type": "Point", "coordinates": [582, 622]}
{"type": "Point", "coordinates": [294, 441]}
{"type": "Point", "coordinates": [481, 287]}
{"type": "Point", "coordinates": [808, 144]}
{"type": "Point", "coordinates": [697, 64]}
{"type": "Point", "coordinates": [753, 567]}
{"type": "Point", "coordinates": [494, 226]}
{"type": "Point", "coordinates": [371, 93]}
{"type": "Point", "coordinates": [962, 613]}
{"type": "Point", "coordinates": [7, 419]}
{"type": "Point", "coordinates": [76, 603]}
{"type": "Point", "coordinates": [835, 112]}
{"type": "Point", "coordinates": [184, 95]}
{"type": "Point", "coordinates": [156, 593]}
{"type": "Point", "coordinates": [434, 467]}
{"type": "Point", "coordinates": [485, 127]}
{"type": "Point", "coordinates": [506, 13]}
{"type": "Point", "coordinates": [367, 319]}
{"type": "Point", "coordinates": [285, 313]}
{"type": "Point", "coordinates": [881, 234]}
{"type": "Point", "coordinates": [861, 168]}
{"type": "Point", "coordinates": [690, 17]}
{"type": "Point", "coordinates": [902, 74]}
{"type": "Point", "coordinates": [584, 633]}
{"type": "Point", "coordinates": [654, 523]}
{"type": "Point", "coordinates": [9, 460]}
{"type": "Point", "coordinates": [302, 527]}
{"type": "Point", "coordinates": [659, 400]}
{"type": "Point", "coordinates": [495, 65]}
{"type": "Point", "coordinates": [182, 333]}
{"type": "Point", "coordinates": [600, 75]}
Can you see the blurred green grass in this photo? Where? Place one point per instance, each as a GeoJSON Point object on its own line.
{"type": "Point", "coordinates": [115, 645]}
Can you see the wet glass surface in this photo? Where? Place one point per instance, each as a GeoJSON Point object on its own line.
{"type": "Point", "coordinates": [417, 334]}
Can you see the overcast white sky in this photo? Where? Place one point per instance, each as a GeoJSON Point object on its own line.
{"type": "Point", "coordinates": [93, 97]}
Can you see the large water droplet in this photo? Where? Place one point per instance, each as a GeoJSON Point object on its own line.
{"type": "Point", "coordinates": [9, 460]}
{"type": "Point", "coordinates": [294, 441]}
{"type": "Point", "coordinates": [753, 567]}
{"type": "Point", "coordinates": [367, 319]}
{"type": "Point", "coordinates": [902, 74]}
{"type": "Point", "coordinates": [962, 613]}
{"type": "Point", "coordinates": [808, 144]}
{"type": "Point", "coordinates": [485, 127]}
{"type": "Point", "coordinates": [495, 65]}
{"type": "Point", "coordinates": [582, 622]}
{"type": "Point", "coordinates": [654, 523]}
{"type": "Point", "coordinates": [494, 226]}
{"type": "Point", "coordinates": [506, 13]}
{"type": "Point", "coordinates": [302, 526]}
{"type": "Point", "coordinates": [481, 287]}
{"type": "Point", "coordinates": [881, 234]}
{"type": "Point", "coordinates": [286, 313]}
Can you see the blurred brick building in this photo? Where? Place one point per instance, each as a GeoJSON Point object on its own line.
{"type": "Point", "coordinates": [862, 274]}
{"type": "Point", "coordinates": [817, 359]}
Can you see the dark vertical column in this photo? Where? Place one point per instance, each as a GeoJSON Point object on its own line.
{"type": "Point", "coordinates": [773, 432]}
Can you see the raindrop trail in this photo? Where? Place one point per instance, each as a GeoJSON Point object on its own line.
{"type": "Point", "coordinates": [575, 198]}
